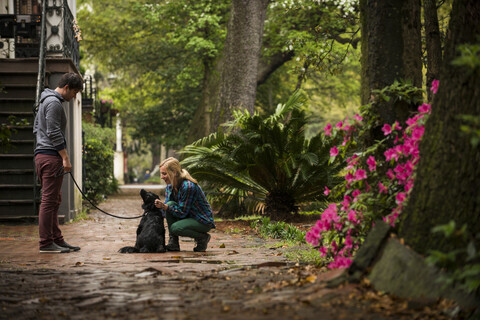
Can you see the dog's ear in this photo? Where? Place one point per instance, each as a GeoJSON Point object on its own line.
{"type": "Point", "coordinates": [143, 194]}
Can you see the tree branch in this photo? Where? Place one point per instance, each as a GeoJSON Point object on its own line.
{"type": "Point", "coordinates": [266, 68]}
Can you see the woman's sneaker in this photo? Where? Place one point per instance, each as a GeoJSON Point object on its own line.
{"type": "Point", "coordinates": [54, 248]}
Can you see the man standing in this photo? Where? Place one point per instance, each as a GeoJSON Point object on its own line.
{"type": "Point", "coordinates": [51, 159]}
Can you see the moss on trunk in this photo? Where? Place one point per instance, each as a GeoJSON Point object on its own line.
{"type": "Point", "coordinates": [448, 177]}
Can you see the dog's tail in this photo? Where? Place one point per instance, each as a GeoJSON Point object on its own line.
{"type": "Point", "coordinates": [128, 250]}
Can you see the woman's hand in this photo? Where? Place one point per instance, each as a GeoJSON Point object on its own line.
{"type": "Point", "coordinates": [159, 204]}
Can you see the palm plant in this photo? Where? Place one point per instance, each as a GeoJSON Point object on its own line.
{"type": "Point", "coordinates": [265, 160]}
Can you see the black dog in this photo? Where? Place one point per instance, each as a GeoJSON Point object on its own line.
{"type": "Point", "coordinates": [151, 230]}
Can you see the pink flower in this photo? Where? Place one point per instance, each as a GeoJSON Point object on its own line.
{"type": "Point", "coordinates": [434, 87]}
{"type": "Point", "coordinates": [346, 202]}
{"type": "Point", "coordinates": [323, 251]}
{"type": "Point", "coordinates": [358, 117]}
{"type": "Point", "coordinates": [418, 133]}
{"type": "Point", "coordinates": [400, 197]}
{"type": "Point", "coordinates": [372, 164]}
{"type": "Point", "coordinates": [339, 125]}
{"type": "Point", "coordinates": [355, 194]}
{"type": "Point", "coordinates": [396, 126]}
{"type": "Point", "coordinates": [348, 243]}
{"type": "Point", "coordinates": [390, 174]}
{"type": "Point", "coordinates": [327, 191]}
{"type": "Point", "coordinates": [349, 177]}
{"type": "Point", "coordinates": [333, 151]}
{"type": "Point", "coordinates": [352, 216]}
{"type": "Point", "coordinates": [340, 263]}
{"type": "Point", "coordinates": [387, 129]}
{"type": "Point", "coordinates": [360, 174]}
{"type": "Point", "coordinates": [425, 108]}
{"type": "Point", "coordinates": [328, 129]}
{"type": "Point", "coordinates": [391, 154]}
{"type": "Point", "coordinates": [311, 238]}
{"type": "Point", "coordinates": [409, 185]}
{"type": "Point", "coordinates": [382, 188]}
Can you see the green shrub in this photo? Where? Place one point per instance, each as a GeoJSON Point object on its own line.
{"type": "Point", "coordinates": [265, 162]}
{"type": "Point", "coordinates": [98, 155]}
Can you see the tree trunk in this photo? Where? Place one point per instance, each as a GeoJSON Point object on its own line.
{"type": "Point", "coordinates": [241, 58]}
{"type": "Point", "coordinates": [391, 50]}
{"type": "Point", "coordinates": [433, 43]}
{"type": "Point", "coordinates": [202, 120]}
{"type": "Point", "coordinates": [448, 175]}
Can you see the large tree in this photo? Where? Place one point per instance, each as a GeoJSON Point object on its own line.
{"type": "Point", "coordinates": [391, 50]}
{"type": "Point", "coordinates": [448, 177]}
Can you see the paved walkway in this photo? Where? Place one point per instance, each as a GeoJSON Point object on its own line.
{"type": "Point", "coordinates": [240, 276]}
{"type": "Point", "coordinates": [102, 236]}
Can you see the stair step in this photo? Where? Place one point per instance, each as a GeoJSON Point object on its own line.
{"type": "Point", "coordinates": [15, 202]}
{"type": "Point", "coordinates": [15, 171]}
{"type": "Point", "coordinates": [16, 176]}
{"type": "Point", "coordinates": [16, 186]}
{"type": "Point", "coordinates": [20, 155]}
{"type": "Point", "coordinates": [16, 161]}
{"type": "Point", "coordinates": [16, 99]}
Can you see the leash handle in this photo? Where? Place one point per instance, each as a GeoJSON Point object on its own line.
{"type": "Point", "coordinates": [85, 197]}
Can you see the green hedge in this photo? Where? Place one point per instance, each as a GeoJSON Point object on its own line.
{"type": "Point", "coordinates": [98, 154]}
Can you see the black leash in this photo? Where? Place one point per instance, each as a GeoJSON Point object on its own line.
{"type": "Point", "coordinates": [85, 197]}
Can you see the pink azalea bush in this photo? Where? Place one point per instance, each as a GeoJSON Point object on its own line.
{"type": "Point", "coordinates": [378, 182]}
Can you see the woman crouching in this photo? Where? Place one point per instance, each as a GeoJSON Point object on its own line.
{"type": "Point", "coordinates": [186, 208]}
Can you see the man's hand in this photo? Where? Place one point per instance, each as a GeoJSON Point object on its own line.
{"type": "Point", "coordinates": [67, 166]}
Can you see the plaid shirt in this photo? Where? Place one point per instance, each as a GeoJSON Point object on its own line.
{"type": "Point", "coordinates": [190, 202]}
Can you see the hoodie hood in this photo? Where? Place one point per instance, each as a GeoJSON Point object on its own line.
{"type": "Point", "coordinates": [50, 93]}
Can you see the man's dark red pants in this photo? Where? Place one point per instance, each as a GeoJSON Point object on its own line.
{"type": "Point", "coordinates": [48, 168]}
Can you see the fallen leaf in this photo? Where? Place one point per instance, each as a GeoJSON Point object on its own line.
{"type": "Point", "coordinates": [222, 245]}
{"type": "Point", "coordinates": [107, 258]}
{"type": "Point", "coordinates": [311, 278]}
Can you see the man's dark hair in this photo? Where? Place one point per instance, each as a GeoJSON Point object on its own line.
{"type": "Point", "coordinates": [73, 80]}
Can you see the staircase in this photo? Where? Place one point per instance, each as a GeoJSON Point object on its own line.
{"type": "Point", "coordinates": [18, 79]}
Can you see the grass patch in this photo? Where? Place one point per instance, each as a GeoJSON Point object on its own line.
{"type": "Point", "coordinates": [235, 230]}
{"type": "Point", "coordinates": [241, 218]}
{"type": "Point", "coordinates": [82, 216]}
{"type": "Point", "coordinates": [278, 230]}
{"type": "Point", "coordinates": [305, 255]}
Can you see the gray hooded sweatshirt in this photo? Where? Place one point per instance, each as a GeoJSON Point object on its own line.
{"type": "Point", "coordinates": [50, 123]}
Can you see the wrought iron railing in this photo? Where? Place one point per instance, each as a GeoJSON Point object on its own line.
{"type": "Point", "coordinates": [25, 27]}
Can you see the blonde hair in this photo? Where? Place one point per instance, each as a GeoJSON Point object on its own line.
{"type": "Point", "coordinates": [175, 173]}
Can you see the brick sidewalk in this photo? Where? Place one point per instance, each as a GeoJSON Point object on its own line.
{"type": "Point", "coordinates": [102, 236]}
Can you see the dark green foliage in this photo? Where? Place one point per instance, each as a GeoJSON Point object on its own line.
{"type": "Point", "coordinates": [265, 161]}
{"type": "Point", "coordinates": [6, 131]}
{"type": "Point", "coordinates": [98, 154]}
{"type": "Point", "coordinates": [461, 264]}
